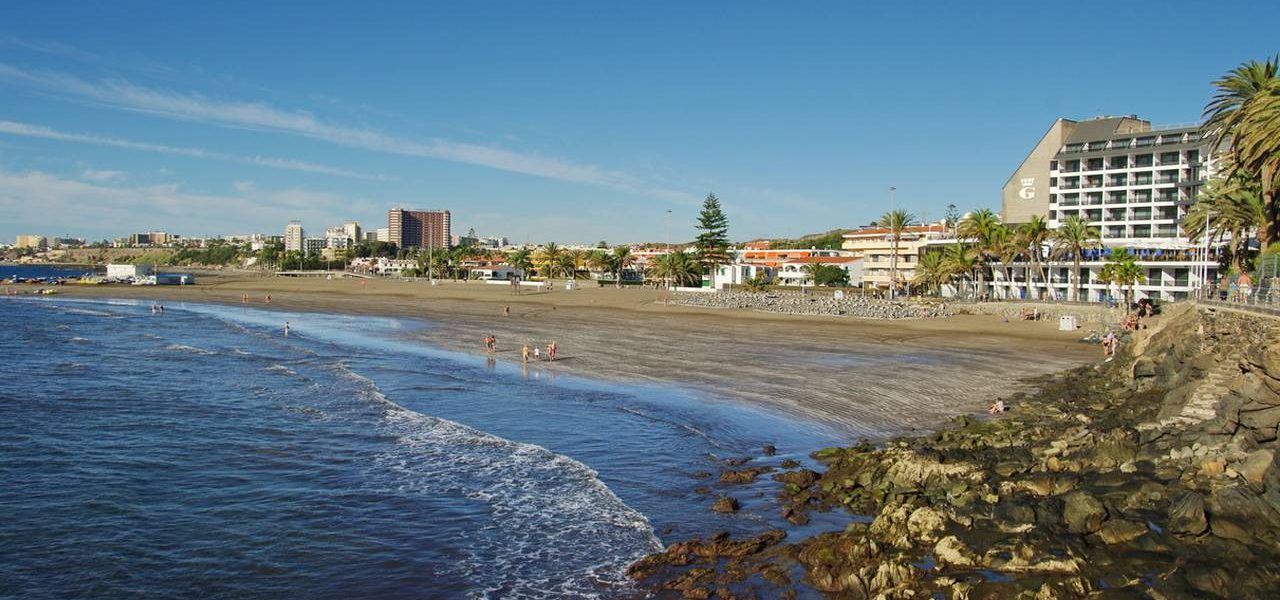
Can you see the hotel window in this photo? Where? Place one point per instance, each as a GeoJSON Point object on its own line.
{"type": "Point", "coordinates": [1143, 160]}
{"type": "Point", "coordinates": [1053, 215]}
{"type": "Point", "coordinates": [1115, 231]}
{"type": "Point", "coordinates": [1095, 164]}
{"type": "Point", "coordinates": [1168, 158]}
{"type": "Point", "coordinates": [1142, 214]}
{"type": "Point", "coordinates": [1115, 214]}
{"type": "Point", "coordinates": [1119, 162]}
{"type": "Point", "coordinates": [1118, 197]}
{"type": "Point", "coordinates": [1193, 156]}
{"type": "Point", "coordinates": [1093, 215]}
{"type": "Point", "coordinates": [1053, 165]}
{"type": "Point", "coordinates": [1142, 231]}
{"type": "Point", "coordinates": [1053, 182]}
{"type": "Point", "coordinates": [1093, 198]}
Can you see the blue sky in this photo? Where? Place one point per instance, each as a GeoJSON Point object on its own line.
{"type": "Point", "coordinates": [567, 121]}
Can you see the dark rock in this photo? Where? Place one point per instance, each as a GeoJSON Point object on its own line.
{"type": "Point", "coordinates": [737, 462]}
{"type": "Point", "coordinates": [700, 474]}
{"type": "Point", "coordinates": [1144, 367]}
{"type": "Point", "coordinates": [726, 504]}
{"type": "Point", "coordinates": [744, 475]}
{"type": "Point", "coordinates": [789, 463]}
{"type": "Point", "coordinates": [1186, 515]}
{"type": "Point", "coordinates": [1082, 513]}
{"type": "Point", "coordinates": [1119, 531]}
{"type": "Point", "coordinates": [769, 450]}
{"type": "Point", "coordinates": [802, 478]}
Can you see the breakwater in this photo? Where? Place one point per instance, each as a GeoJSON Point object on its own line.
{"type": "Point", "coordinates": [794, 303]}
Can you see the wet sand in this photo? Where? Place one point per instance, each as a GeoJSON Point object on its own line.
{"type": "Point", "coordinates": [871, 378]}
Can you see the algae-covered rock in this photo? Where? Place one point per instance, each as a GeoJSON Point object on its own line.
{"type": "Point", "coordinates": [1082, 513]}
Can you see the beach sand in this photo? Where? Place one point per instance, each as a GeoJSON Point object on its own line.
{"type": "Point", "coordinates": [870, 378]}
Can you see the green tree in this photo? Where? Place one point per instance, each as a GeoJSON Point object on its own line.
{"type": "Point", "coordinates": [1122, 269]}
{"type": "Point", "coordinates": [960, 260]}
{"type": "Point", "coordinates": [1231, 208]}
{"type": "Point", "coordinates": [1033, 235]}
{"type": "Point", "coordinates": [521, 259]}
{"type": "Point", "coordinates": [1072, 238]}
{"type": "Point", "coordinates": [1245, 111]}
{"type": "Point", "coordinates": [712, 243]}
{"type": "Point", "coordinates": [896, 221]}
{"type": "Point", "coordinates": [548, 260]}
{"type": "Point", "coordinates": [952, 219]}
{"type": "Point", "coordinates": [675, 268]}
{"type": "Point", "coordinates": [620, 259]}
{"type": "Point", "coordinates": [932, 271]}
{"type": "Point", "coordinates": [984, 229]}
{"type": "Point", "coordinates": [826, 275]}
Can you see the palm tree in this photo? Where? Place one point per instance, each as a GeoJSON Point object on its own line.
{"type": "Point", "coordinates": [983, 228]}
{"type": "Point", "coordinates": [621, 259]}
{"type": "Point", "coordinates": [1122, 269]}
{"type": "Point", "coordinates": [1033, 235]}
{"type": "Point", "coordinates": [1072, 238]}
{"type": "Point", "coordinates": [598, 261]}
{"type": "Point", "coordinates": [1007, 249]}
{"type": "Point", "coordinates": [1246, 111]}
{"type": "Point", "coordinates": [548, 260]}
{"type": "Point", "coordinates": [1231, 207]}
{"type": "Point", "coordinates": [521, 259]}
{"type": "Point", "coordinates": [676, 267]}
{"type": "Point", "coordinates": [932, 271]}
{"type": "Point", "coordinates": [895, 221]}
{"type": "Point", "coordinates": [960, 260]}
{"type": "Point", "coordinates": [576, 260]}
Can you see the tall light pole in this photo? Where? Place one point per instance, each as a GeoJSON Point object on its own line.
{"type": "Point", "coordinates": [668, 256]}
{"type": "Point", "coordinates": [893, 256]}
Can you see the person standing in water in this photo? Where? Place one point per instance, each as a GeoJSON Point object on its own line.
{"type": "Point", "coordinates": [524, 353]}
{"type": "Point", "coordinates": [286, 329]}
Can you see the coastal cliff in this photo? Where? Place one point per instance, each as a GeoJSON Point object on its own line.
{"type": "Point", "coordinates": [1154, 475]}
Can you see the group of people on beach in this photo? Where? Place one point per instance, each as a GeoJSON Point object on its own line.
{"type": "Point", "coordinates": [552, 350]}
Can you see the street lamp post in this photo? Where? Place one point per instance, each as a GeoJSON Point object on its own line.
{"type": "Point", "coordinates": [893, 256]}
{"type": "Point", "coordinates": [1204, 286]}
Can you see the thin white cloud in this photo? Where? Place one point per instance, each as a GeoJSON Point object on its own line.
{"type": "Point", "coordinates": [103, 176]}
{"type": "Point", "coordinates": [37, 199]}
{"type": "Point", "coordinates": [256, 115]}
{"type": "Point", "coordinates": [40, 131]}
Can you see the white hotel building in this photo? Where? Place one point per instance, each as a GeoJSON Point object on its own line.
{"type": "Point", "coordinates": [1133, 183]}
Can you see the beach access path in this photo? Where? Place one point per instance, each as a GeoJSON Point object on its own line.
{"type": "Point", "coordinates": [872, 378]}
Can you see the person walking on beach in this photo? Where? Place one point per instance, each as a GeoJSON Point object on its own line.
{"type": "Point", "coordinates": [244, 299]}
{"type": "Point", "coordinates": [524, 353]}
{"type": "Point", "coordinates": [551, 352]}
{"type": "Point", "coordinates": [268, 298]}
{"type": "Point", "coordinates": [1109, 345]}
{"type": "Point", "coordinates": [537, 354]}
{"type": "Point", "coordinates": [286, 329]}
{"type": "Point", "coordinates": [1246, 287]}
{"type": "Point", "coordinates": [506, 311]}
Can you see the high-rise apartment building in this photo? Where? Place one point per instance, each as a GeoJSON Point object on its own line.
{"type": "Point", "coordinates": [293, 236]}
{"type": "Point", "coordinates": [1133, 183]}
{"type": "Point", "coordinates": [419, 228]}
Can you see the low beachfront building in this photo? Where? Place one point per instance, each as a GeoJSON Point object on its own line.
{"type": "Point", "coordinates": [797, 271]}
{"type": "Point", "coordinates": [496, 273]}
{"type": "Point", "coordinates": [739, 273]}
{"type": "Point", "coordinates": [876, 247]}
{"type": "Point", "coordinates": [128, 272]}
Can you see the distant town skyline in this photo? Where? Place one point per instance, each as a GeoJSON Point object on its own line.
{"type": "Point", "coordinates": [571, 122]}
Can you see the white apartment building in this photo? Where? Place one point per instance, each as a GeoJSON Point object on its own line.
{"type": "Point", "coordinates": [314, 245]}
{"type": "Point", "coordinates": [1131, 181]}
{"type": "Point", "coordinates": [293, 236]}
{"type": "Point", "coordinates": [875, 246]}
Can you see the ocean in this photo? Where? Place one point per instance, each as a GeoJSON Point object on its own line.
{"type": "Point", "coordinates": [199, 452]}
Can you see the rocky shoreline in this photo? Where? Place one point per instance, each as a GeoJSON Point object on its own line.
{"type": "Point", "coordinates": [1152, 476]}
{"type": "Point", "coordinates": [794, 303]}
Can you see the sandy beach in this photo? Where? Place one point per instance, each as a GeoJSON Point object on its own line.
{"type": "Point", "coordinates": [871, 378]}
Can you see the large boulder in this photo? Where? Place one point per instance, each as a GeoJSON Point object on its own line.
{"type": "Point", "coordinates": [1082, 513]}
{"type": "Point", "coordinates": [1119, 531]}
{"type": "Point", "coordinates": [1186, 515]}
{"type": "Point", "coordinates": [1255, 466]}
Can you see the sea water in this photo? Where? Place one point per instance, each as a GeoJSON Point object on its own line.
{"type": "Point", "coordinates": [199, 452]}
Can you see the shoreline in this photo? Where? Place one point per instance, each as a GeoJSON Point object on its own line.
{"type": "Point", "coordinates": [1155, 475]}
{"type": "Point", "coordinates": [842, 371]}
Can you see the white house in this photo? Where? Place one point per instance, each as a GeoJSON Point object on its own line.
{"type": "Point", "coordinates": [740, 273]}
{"type": "Point", "coordinates": [796, 272]}
{"type": "Point", "coordinates": [123, 272]}
{"type": "Point", "coordinates": [496, 273]}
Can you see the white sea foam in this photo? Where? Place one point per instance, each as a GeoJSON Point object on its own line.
{"type": "Point", "coordinates": [189, 349]}
{"type": "Point", "coordinates": [282, 369]}
{"type": "Point", "coordinates": [556, 530]}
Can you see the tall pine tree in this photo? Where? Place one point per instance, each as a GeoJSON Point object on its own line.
{"type": "Point", "coordinates": [712, 243]}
